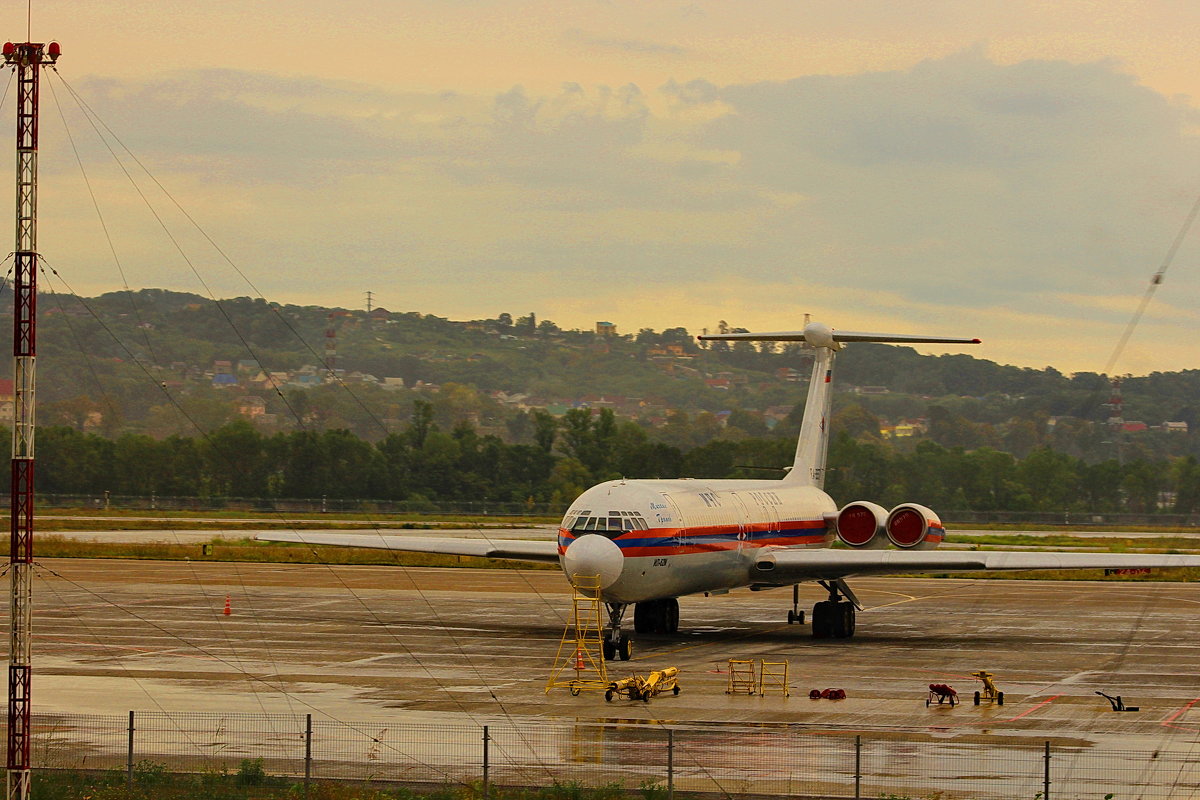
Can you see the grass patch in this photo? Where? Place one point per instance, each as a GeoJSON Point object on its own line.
{"type": "Point", "coordinates": [152, 781]}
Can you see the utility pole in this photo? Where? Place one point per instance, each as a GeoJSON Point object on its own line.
{"type": "Point", "coordinates": [369, 301]}
{"type": "Point", "coordinates": [26, 59]}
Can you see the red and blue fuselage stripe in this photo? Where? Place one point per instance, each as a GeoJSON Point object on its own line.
{"type": "Point", "coordinates": [705, 539]}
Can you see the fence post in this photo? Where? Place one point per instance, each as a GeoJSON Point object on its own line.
{"type": "Point", "coordinates": [1046, 775]}
{"type": "Point", "coordinates": [858, 767]}
{"type": "Point", "coordinates": [307, 752]}
{"type": "Point", "coordinates": [670, 764]}
{"type": "Point", "coordinates": [129, 756]}
{"type": "Point", "coordinates": [486, 739]}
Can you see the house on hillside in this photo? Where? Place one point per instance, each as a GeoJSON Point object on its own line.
{"type": "Point", "coordinates": [251, 406]}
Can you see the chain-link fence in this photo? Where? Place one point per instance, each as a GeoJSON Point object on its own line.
{"type": "Point", "coordinates": [720, 760]}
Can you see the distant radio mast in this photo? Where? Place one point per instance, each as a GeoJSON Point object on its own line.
{"type": "Point", "coordinates": [26, 59]}
{"type": "Point", "coordinates": [369, 293]}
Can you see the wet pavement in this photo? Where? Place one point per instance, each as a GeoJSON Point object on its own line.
{"type": "Point", "coordinates": [360, 642]}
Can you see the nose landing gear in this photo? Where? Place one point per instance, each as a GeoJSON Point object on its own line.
{"type": "Point", "coordinates": [616, 645]}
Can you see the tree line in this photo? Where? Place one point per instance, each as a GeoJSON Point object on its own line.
{"type": "Point", "coordinates": [557, 458]}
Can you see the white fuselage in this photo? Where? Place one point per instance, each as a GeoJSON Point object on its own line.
{"type": "Point", "coordinates": [653, 539]}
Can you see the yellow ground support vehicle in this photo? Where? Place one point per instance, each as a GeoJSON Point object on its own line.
{"type": "Point", "coordinates": [638, 688]}
{"type": "Point", "coordinates": [990, 693]}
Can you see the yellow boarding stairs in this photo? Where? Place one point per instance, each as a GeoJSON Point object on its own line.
{"type": "Point", "coordinates": [579, 665]}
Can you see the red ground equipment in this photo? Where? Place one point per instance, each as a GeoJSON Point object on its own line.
{"type": "Point", "coordinates": [941, 693]}
{"type": "Point", "coordinates": [827, 694]}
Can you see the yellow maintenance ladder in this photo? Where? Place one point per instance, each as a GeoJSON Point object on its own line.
{"type": "Point", "coordinates": [773, 675]}
{"type": "Point", "coordinates": [581, 651]}
{"type": "Point", "coordinates": [741, 677]}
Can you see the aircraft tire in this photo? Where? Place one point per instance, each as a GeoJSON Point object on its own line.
{"type": "Point", "coordinates": [624, 648]}
{"type": "Point", "coordinates": [822, 627]}
{"type": "Point", "coordinates": [610, 650]}
{"type": "Point", "coordinates": [672, 607]}
{"type": "Point", "coordinates": [641, 617]}
{"type": "Point", "coordinates": [848, 616]}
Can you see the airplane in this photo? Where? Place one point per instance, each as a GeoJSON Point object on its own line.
{"type": "Point", "coordinates": [650, 542]}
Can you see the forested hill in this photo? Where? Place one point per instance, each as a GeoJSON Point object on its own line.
{"type": "Point", "coordinates": [162, 363]}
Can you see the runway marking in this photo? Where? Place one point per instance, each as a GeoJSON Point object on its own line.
{"type": "Point", "coordinates": [977, 723]}
{"type": "Point", "coordinates": [1027, 712]}
{"type": "Point", "coordinates": [1169, 721]}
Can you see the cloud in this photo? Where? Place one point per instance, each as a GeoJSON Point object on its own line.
{"type": "Point", "coordinates": [1037, 190]}
{"type": "Point", "coordinates": [632, 46]}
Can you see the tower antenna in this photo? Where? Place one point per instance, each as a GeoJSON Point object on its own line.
{"type": "Point", "coordinates": [26, 59]}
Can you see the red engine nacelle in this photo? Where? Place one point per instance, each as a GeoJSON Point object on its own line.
{"type": "Point", "coordinates": [914, 527]}
{"type": "Point", "coordinates": [861, 525]}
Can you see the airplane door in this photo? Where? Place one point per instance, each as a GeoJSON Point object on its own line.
{"type": "Point", "coordinates": [677, 536]}
{"type": "Point", "coordinates": [742, 511]}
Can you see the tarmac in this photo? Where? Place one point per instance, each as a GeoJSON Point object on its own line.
{"type": "Point", "coordinates": [362, 642]}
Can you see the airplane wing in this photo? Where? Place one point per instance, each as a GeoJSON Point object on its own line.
{"type": "Point", "coordinates": [785, 565]}
{"type": "Point", "coordinates": [515, 549]}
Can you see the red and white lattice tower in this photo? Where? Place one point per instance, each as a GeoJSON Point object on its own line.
{"type": "Point", "coordinates": [26, 59]}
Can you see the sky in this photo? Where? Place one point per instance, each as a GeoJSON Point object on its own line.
{"type": "Point", "coordinates": [1015, 171]}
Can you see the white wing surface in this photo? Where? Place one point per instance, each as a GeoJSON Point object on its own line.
{"type": "Point", "coordinates": [516, 549]}
{"type": "Point", "coordinates": [784, 566]}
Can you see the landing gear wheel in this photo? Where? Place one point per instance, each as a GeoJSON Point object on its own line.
{"type": "Point", "coordinates": [610, 650]}
{"type": "Point", "coordinates": [624, 648]}
{"type": "Point", "coordinates": [656, 616]}
{"type": "Point", "coordinates": [833, 620]}
{"type": "Point", "coordinates": [795, 618]}
{"type": "Point", "coordinates": [822, 627]}
{"type": "Point", "coordinates": [642, 613]}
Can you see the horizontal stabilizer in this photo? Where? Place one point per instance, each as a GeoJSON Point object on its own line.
{"type": "Point", "coordinates": [819, 335]}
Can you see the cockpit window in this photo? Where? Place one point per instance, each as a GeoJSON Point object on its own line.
{"type": "Point", "coordinates": [612, 525]}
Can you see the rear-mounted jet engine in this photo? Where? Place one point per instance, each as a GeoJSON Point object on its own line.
{"type": "Point", "coordinates": [862, 525]}
{"type": "Point", "coordinates": [914, 527]}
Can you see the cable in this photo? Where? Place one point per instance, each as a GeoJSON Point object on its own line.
{"type": "Point", "coordinates": [1155, 281]}
{"type": "Point", "coordinates": [103, 225]}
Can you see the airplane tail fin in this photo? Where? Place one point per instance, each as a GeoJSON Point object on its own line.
{"type": "Point", "coordinates": [813, 445]}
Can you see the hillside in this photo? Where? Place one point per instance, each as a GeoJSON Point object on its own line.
{"type": "Point", "coordinates": [164, 363]}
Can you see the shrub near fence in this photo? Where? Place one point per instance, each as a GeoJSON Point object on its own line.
{"type": "Point", "coordinates": [720, 760]}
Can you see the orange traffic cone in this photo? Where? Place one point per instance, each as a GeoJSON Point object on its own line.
{"type": "Point", "coordinates": [228, 610]}
{"type": "Point", "coordinates": [579, 667]}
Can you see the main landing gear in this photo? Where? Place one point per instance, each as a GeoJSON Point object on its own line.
{"type": "Point", "coordinates": [834, 618]}
{"type": "Point", "coordinates": [616, 645]}
{"type": "Point", "coordinates": [657, 616]}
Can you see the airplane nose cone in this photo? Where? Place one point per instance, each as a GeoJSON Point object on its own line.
{"type": "Point", "coordinates": [592, 555]}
